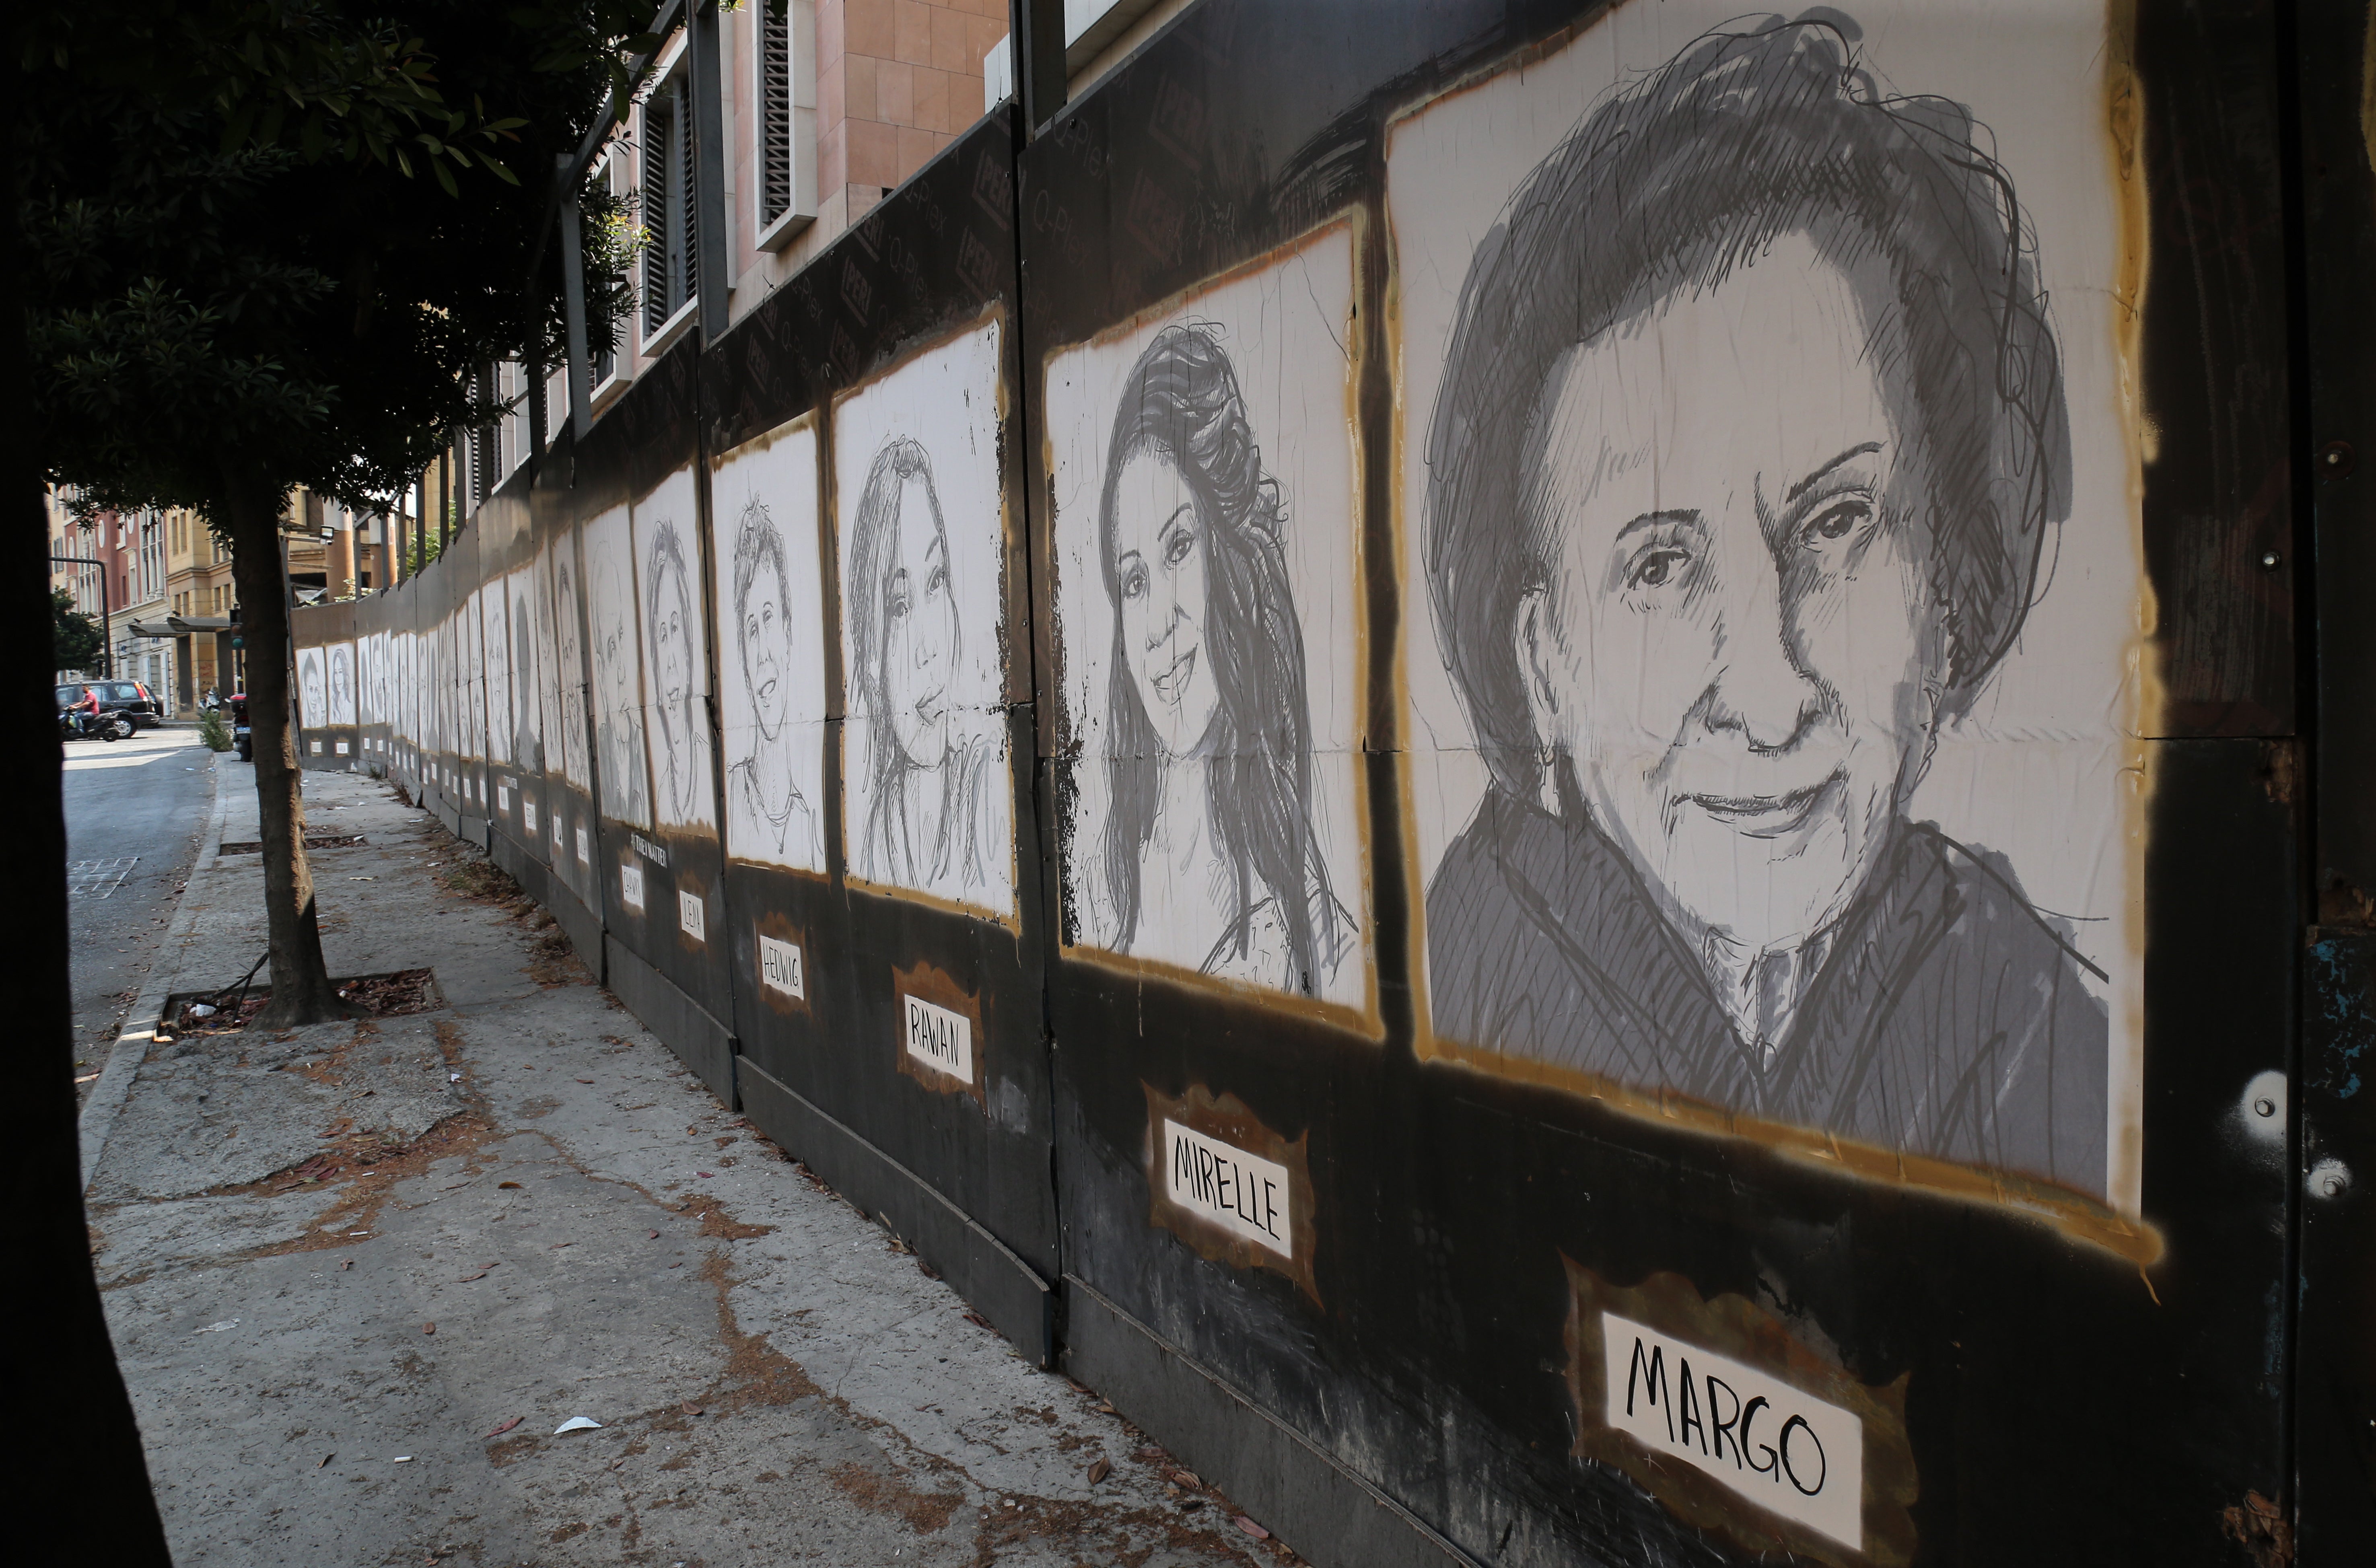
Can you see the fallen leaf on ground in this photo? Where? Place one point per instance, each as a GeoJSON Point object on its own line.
{"type": "Point", "coordinates": [501, 1185]}
{"type": "Point", "coordinates": [427, 1329]}
{"type": "Point", "coordinates": [348, 1264]}
{"type": "Point", "coordinates": [468, 1277]}
{"type": "Point", "coordinates": [577, 1423]}
{"type": "Point", "coordinates": [653, 1237]}
{"type": "Point", "coordinates": [507, 1425]}
{"type": "Point", "coordinates": [1101, 1470]}
{"type": "Point", "coordinates": [326, 1459]}
{"type": "Point", "coordinates": [1252, 1528]}
{"type": "Point", "coordinates": [703, 1174]}
{"type": "Point", "coordinates": [584, 1080]}
{"type": "Point", "coordinates": [690, 1408]}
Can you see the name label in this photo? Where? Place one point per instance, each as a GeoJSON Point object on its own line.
{"type": "Point", "coordinates": [342, 746]}
{"type": "Point", "coordinates": [780, 968]}
{"type": "Point", "coordinates": [939, 1039]}
{"type": "Point", "coordinates": [689, 915]}
{"type": "Point", "coordinates": [317, 746]}
{"type": "Point", "coordinates": [527, 813]}
{"type": "Point", "coordinates": [631, 886]}
{"type": "Point", "coordinates": [584, 857]}
{"type": "Point", "coordinates": [503, 799]}
{"type": "Point", "coordinates": [1783, 1449]}
{"type": "Point", "coordinates": [656, 853]}
{"type": "Point", "coordinates": [1242, 1193]}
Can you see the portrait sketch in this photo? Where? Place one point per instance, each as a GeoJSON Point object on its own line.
{"type": "Point", "coordinates": [496, 629]}
{"type": "Point", "coordinates": [771, 665]}
{"type": "Point", "coordinates": [611, 618]}
{"type": "Point", "coordinates": [676, 678]}
{"type": "Point", "coordinates": [1207, 574]}
{"type": "Point", "coordinates": [527, 682]}
{"type": "Point", "coordinates": [920, 518]}
{"type": "Point", "coordinates": [313, 687]}
{"type": "Point", "coordinates": [570, 675]}
{"type": "Point", "coordinates": [1765, 509]}
{"type": "Point", "coordinates": [341, 684]}
{"type": "Point", "coordinates": [474, 675]}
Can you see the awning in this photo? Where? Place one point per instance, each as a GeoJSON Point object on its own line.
{"type": "Point", "coordinates": [180, 625]}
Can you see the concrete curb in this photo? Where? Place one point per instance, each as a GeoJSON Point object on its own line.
{"type": "Point", "coordinates": [114, 1085]}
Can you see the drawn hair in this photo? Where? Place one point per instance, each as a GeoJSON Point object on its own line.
{"type": "Point", "coordinates": [1742, 140]}
{"type": "Point", "coordinates": [874, 537]}
{"type": "Point", "coordinates": [758, 543]}
{"type": "Point", "coordinates": [1181, 400]}
{"type": "Point", "coordinates": [668, 550]}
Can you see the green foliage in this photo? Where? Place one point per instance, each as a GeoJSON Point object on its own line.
{"type": "Point", "coordinates": [269, 238]}
{"type": "Point", "coordinates": [214, 730]}
{"type": "Point", "coordinates": [75, 638]}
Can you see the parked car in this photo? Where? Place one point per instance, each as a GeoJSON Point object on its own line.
{"type": "Point", "coordinates": [129, 698]}
{"type": "Point", "coordinates": [241, 735]}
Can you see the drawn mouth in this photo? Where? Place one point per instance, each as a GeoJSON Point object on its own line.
{"type": "Point", "coordinates": [767, 690]}
{"type": "Point", "coordinates": [929, 709]}
{"type": "Point", "coordinates": [1767, 817]}
{"type": "Point", "coordinates": [1169, 684]}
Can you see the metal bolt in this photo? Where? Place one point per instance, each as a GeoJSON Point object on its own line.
{"type": "Point", "coordinates": [2265, 1107]}
{"type": "Point", "coordinates": [2269, 560]}
{"type": "Point", "coordinates": [2331, 1185]}
{"type": "Point", "coordinates": [2336, 459]}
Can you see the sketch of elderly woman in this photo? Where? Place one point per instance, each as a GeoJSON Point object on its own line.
{"type": "Point", "coordinates": [1751, 433]}
{"type": "Point", "coordinates": [928, 821]}
{"type": "Point", "coordinates": [1208, 746]}
{"type": "Point", "coordinates": [680, 732]}
{"type": "Point", "coordinates": [767, 816]}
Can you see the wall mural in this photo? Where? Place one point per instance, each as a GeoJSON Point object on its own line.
{"type": "Point", "coordinates": [559, 566]}
{"type": "Point", "coordinates": [474, 676]}
{"type": "Point", "coordinates": [610, 619]}
{"type": "Point", "coordinates": [771, 668]}
{"type": "Point", "coordinates": [528, 699]}
{"type": "Point", "coordinates": [921, 523]}
{"type": "Point", "coordinates": [675, 656]}
{"type": "Point", "coordinates": [494, 628]}
{"type": "Point", "coordinates": [1767, 496]}
{"type": "Point", "coordinates": [1207, 583]}
{"type": "Point", "coordinates": [342, 686]}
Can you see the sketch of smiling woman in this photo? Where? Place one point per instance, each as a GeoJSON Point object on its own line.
{"type": "Point", "coordinates": [927, 776]}
{"type": "Point", "coordinates": [1751, 430]}
{"type": "Point", "coordinates": [1208, 747]}
{"type": "Point", "coordinates": [681, 723]}
{"type": "Point", "coordinates": [766, 813]}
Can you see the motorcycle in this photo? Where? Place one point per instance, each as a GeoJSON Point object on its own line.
{"type": "Point", "coordinates": [74, 725]}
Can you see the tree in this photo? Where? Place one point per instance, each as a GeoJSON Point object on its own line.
{"type": "Point", "coordinates": [75, 635]}
{"type": "Point", "coordinates": [268, 240]}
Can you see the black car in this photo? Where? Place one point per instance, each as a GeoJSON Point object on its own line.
{"type": "Point", "coordinates": [127, 697]}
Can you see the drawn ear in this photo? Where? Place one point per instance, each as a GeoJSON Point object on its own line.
{"type": "Point", "coordinates": [1532, 641]}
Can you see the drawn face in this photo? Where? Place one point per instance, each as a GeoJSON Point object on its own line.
{"type": "Point", "coordinates": [1737, 648]}
{"type": "Point", "coordinates": [671, 641]}
{"type": "Point", "coordinates": [1158, 568]}
{"type": "Point", "coordinates": [919, 631]}
{"type": "Point", "coordinates": [614, 650]}
{"type": "Point", "coordinates": [314, 706]}
{"type": "Point", "coordinates": [763, 650]}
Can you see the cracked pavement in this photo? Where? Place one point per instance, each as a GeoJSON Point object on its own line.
{"type": "Point", "coordinates": [358, 1274]}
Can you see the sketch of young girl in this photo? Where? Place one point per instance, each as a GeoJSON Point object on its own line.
{"type": "Point", "coordinates": [679, 733]}
{"type": "Point", "coordinates": [1208, 751]}
{"type": "Point", "coordinates": [928, 777]}
{"type": "Point", "coordinates": [767, 816]}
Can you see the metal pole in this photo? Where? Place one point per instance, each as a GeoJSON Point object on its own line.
{"type": "Point", "coordinates": [573, 297]}
{"type": "Point", "coordinates": [1036, 38]}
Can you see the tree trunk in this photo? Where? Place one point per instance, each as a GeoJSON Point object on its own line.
{"type": "Point", "coordinates": [301, 991]}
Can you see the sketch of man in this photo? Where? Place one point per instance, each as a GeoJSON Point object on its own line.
{"type": "Point", "coordinates": [312, 711]}
{"type": "Point", "coordinates": [767, 816]}
{"type": "Point", "coordinates": [1751, 433]}
{"type": "Point", "coordinates": [679, 733]}
{"type": "Point", "coordinates": [620, 726]}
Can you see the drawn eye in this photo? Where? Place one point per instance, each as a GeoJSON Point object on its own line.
{"type": "Point", "coordinates": [1177, 547]}
{"type": "Point", "coordinates": [1657, 568]}
{"type": "Point", "coordinates": [936, 580]}
{"type": "Point", "coordinates": [898, 608]}
{"type": "Point", "coordinates": [1134, 583]}
{"type": "Point", "coordinates": [1838, 520]}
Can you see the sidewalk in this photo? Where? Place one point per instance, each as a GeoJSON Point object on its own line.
{"type": "Point", "coordinates": [358, 1275]}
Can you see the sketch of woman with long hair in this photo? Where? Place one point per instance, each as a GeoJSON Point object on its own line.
{"type": "Point", "coordinates": [619, 733]}
{"type": "Point", "coordinates": [1209, 732]}
{"type": "Point", "coordinates": [927, 779]}
{"type": "Point", "coordinates": [679, 735]}
{"type": "Point", "coordinates": [570, 664]}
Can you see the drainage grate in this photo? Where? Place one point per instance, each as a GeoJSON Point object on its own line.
{"type": "Point", "coordinates": [97, 879]}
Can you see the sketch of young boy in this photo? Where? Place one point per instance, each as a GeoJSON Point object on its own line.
{"type": "Point", "coordinates": [1751, 432]}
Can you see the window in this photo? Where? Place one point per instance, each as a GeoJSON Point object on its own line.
{"type": "Point", "coordinates": [671, 259]}
{"type": "Point", "coordinates": [785, 123]}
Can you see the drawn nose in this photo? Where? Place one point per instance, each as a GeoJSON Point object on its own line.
{"type": "Point", "coordinates": [1759, 689]}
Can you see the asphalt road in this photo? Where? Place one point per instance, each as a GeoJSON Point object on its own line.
{"type": "Point", "coordinates": [135, 812]}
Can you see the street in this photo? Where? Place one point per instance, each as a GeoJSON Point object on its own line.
{"type": "Point", "coordinates": [134, 811]}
